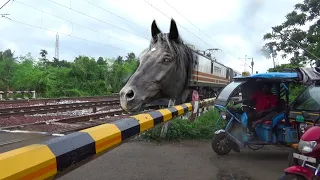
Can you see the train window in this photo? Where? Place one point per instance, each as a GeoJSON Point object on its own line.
{"type": "Point", "coordinates": [211, 67]}
{"type": "Point", "coordinates": [217, 69]}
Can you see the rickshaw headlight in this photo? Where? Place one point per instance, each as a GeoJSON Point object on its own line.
{"type": "Point", "coordinates": [223, 115]}
{"type": "Point", "coordinates": [306, 146]}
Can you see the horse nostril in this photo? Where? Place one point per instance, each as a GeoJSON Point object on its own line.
{"type": "Point", "coordinates": [130, 94]}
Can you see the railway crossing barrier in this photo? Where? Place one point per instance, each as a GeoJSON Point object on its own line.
{"type": "Point", "coordinates": [55, 157]}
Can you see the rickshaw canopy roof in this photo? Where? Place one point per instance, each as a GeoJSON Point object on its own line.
{"type": "Point", "coordinates": [299, 75]}
{"type": "Point", "coordinates": [271, 76]}
{"type": "Point", "coordinates": [304, 75]}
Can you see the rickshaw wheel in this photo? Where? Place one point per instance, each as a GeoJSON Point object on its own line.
{"type": "Point", "coordinates": [255, 147]}
{"type": "Point", "coordinates": [220, 149]}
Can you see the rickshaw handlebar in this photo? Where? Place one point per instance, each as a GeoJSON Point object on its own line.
{"type": "Point", "coordinates": [248, 106]}
{"type": "Point", "coordinates": [242, 105]}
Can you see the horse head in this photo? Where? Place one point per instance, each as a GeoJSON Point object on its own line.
{"type": "Point", "coordinates": [162, 73]}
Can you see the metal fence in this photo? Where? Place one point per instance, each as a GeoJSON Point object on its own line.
{"type": "Point", "coordinates": [13, 95]}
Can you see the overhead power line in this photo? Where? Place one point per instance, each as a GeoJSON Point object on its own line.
{"type": "Point", "coordinates": [177, 23]}
{"type": "Point", "coordinates": [97, 19]}
{"type": "Point", "coordinates": [116, 15]}
{"type": "Point", "coordinates": [74, 23]}
{"type": "Point", "coordinates": [203, 32]}
{"type": "Point", "coordinates": [38, 27]}
{"type": "Point", "coordinates": [5, 4]}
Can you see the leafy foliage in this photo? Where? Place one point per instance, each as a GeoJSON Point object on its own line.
{"type": "Point", "coordinates": [295, 89]}
{"type": "Point", "coordinates": [203, 127]}
{"type": "Point", "coordinates": [293, 38]}
{"type": "Point", "coordinates": [85, 76]}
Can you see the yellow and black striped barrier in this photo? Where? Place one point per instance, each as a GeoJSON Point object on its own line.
{"type": "Point", "coordinates": [57, 156]}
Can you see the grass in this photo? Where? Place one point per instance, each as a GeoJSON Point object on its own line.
{"type": "Point", "coordinates": [203, 127]}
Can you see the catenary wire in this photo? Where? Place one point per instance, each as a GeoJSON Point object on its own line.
{"type": "Point", "coordinates": [73, 22]}
{"type": "Point", "coordinates": [97, 19]}
{"type": "Point", "coordinates": [38, 27]}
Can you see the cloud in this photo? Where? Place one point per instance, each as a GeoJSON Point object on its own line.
{"type": "Point", "coordinates": [236, 28]}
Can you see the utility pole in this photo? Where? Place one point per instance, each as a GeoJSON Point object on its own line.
{"type": "Point", "coordinates": [252, 64]}
{"type": "Point", "coordinates": [245, 62]}
{"type": "Point", "coordinates": [57, 47]}
{"type": "Point", "coordinates": [274, 63]}
{"type": "Point", "coordinates": [273, 55]}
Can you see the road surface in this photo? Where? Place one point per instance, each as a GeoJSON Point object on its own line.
{"type": "Point", "coordinates": [10, 141]}
{"type": "Point", "coordinates": [139, 160]}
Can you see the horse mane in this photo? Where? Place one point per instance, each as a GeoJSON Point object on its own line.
{"type": "Point", "coordinates": [181, 53]}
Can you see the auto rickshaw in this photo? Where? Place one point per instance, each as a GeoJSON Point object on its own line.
{"type": "Point", "coordinates": [279, 130]}
{"type": "Point", "coordinates": [305, 108]}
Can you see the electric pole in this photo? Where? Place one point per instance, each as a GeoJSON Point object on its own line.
{"type": "Point", "coordinates": [245, 63]}
{"type": "Point", "coordinates": [273, 55]}
{"type": "Point", "coordinates": [57, 47]}
{"type": "Point", "coordinates": [252, 64]}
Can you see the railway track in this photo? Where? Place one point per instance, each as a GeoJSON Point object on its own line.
{"type": "Point", "coordinates": [61, 127]}
{"type": "Point", "coordinates": [28, 110]}
{"type": "Point", "coordinates": [47, 101]}
{"type": "Point", "coordinates": [56, 99]}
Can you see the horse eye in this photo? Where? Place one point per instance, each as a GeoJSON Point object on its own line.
{"type": "Point", "coordinates": [166, 60]}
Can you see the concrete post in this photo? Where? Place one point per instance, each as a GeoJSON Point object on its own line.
{"type": "Point", "coordinates": [33, 94]}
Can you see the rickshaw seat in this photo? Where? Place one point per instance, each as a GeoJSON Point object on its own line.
{"type": "Point", "coordinates": [280, 122]}
{"type": "Point", "coordinates": [281, 106]}
{"type": "Point", "coordinates": [277, 119]}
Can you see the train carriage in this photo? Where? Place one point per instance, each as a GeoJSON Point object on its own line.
{"type": "Point", "coordinates": [209, 76]}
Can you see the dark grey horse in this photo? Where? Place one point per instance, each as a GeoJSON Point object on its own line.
{"type": "Point", "coordinates": [162, 73]}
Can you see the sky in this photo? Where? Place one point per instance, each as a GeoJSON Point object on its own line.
{"type": "Point", "coordinates": [109, 28]}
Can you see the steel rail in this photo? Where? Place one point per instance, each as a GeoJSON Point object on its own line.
{"type": "Point", "coordinates": [20, 111]}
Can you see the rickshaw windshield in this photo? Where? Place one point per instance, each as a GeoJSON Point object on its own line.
{"type": "Point", "coordinates": [227, 91]}
{"type": "Point", "coordinates": [309, 100]}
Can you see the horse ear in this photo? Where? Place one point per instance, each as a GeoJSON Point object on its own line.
{"type": "Point", "coordinates": [174, 34]}
{"type": "Point", "coordinates": [154, 29]}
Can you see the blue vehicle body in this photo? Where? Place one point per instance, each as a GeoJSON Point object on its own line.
{"type": "Point", "coordinates": [276, 131]}
{"type": "Point", "coordinates": [273, 76]}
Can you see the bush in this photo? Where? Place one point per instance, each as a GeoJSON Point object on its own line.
{"type": "Point", "coordinates": [203, 127]}
{"type": "Point", "coordinates": [295, 91]}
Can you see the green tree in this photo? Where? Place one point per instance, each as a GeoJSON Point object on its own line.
{"type": "Point", "coordinates": [131, 57]}
{"type": "Point", "coordinates": [82, 77]}
{"type": "Point", "coordinates": [289, 38]}
{"type": "Point", "coordinates": [44, 62]}
{"type": "Point", "coordinates": [101, 61]}
{"type": "Point", "coordinates": [7, 66]}
{"type": "Point", "coordinates": [284, 67]}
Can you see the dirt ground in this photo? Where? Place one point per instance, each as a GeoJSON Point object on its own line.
{"type": "Point", "coordinates": [194, 160]}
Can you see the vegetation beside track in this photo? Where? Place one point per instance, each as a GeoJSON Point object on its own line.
{"type": "Point", "coordinates": [203, 127]}
{"type": "Point", "coordinates": [83, 76]}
